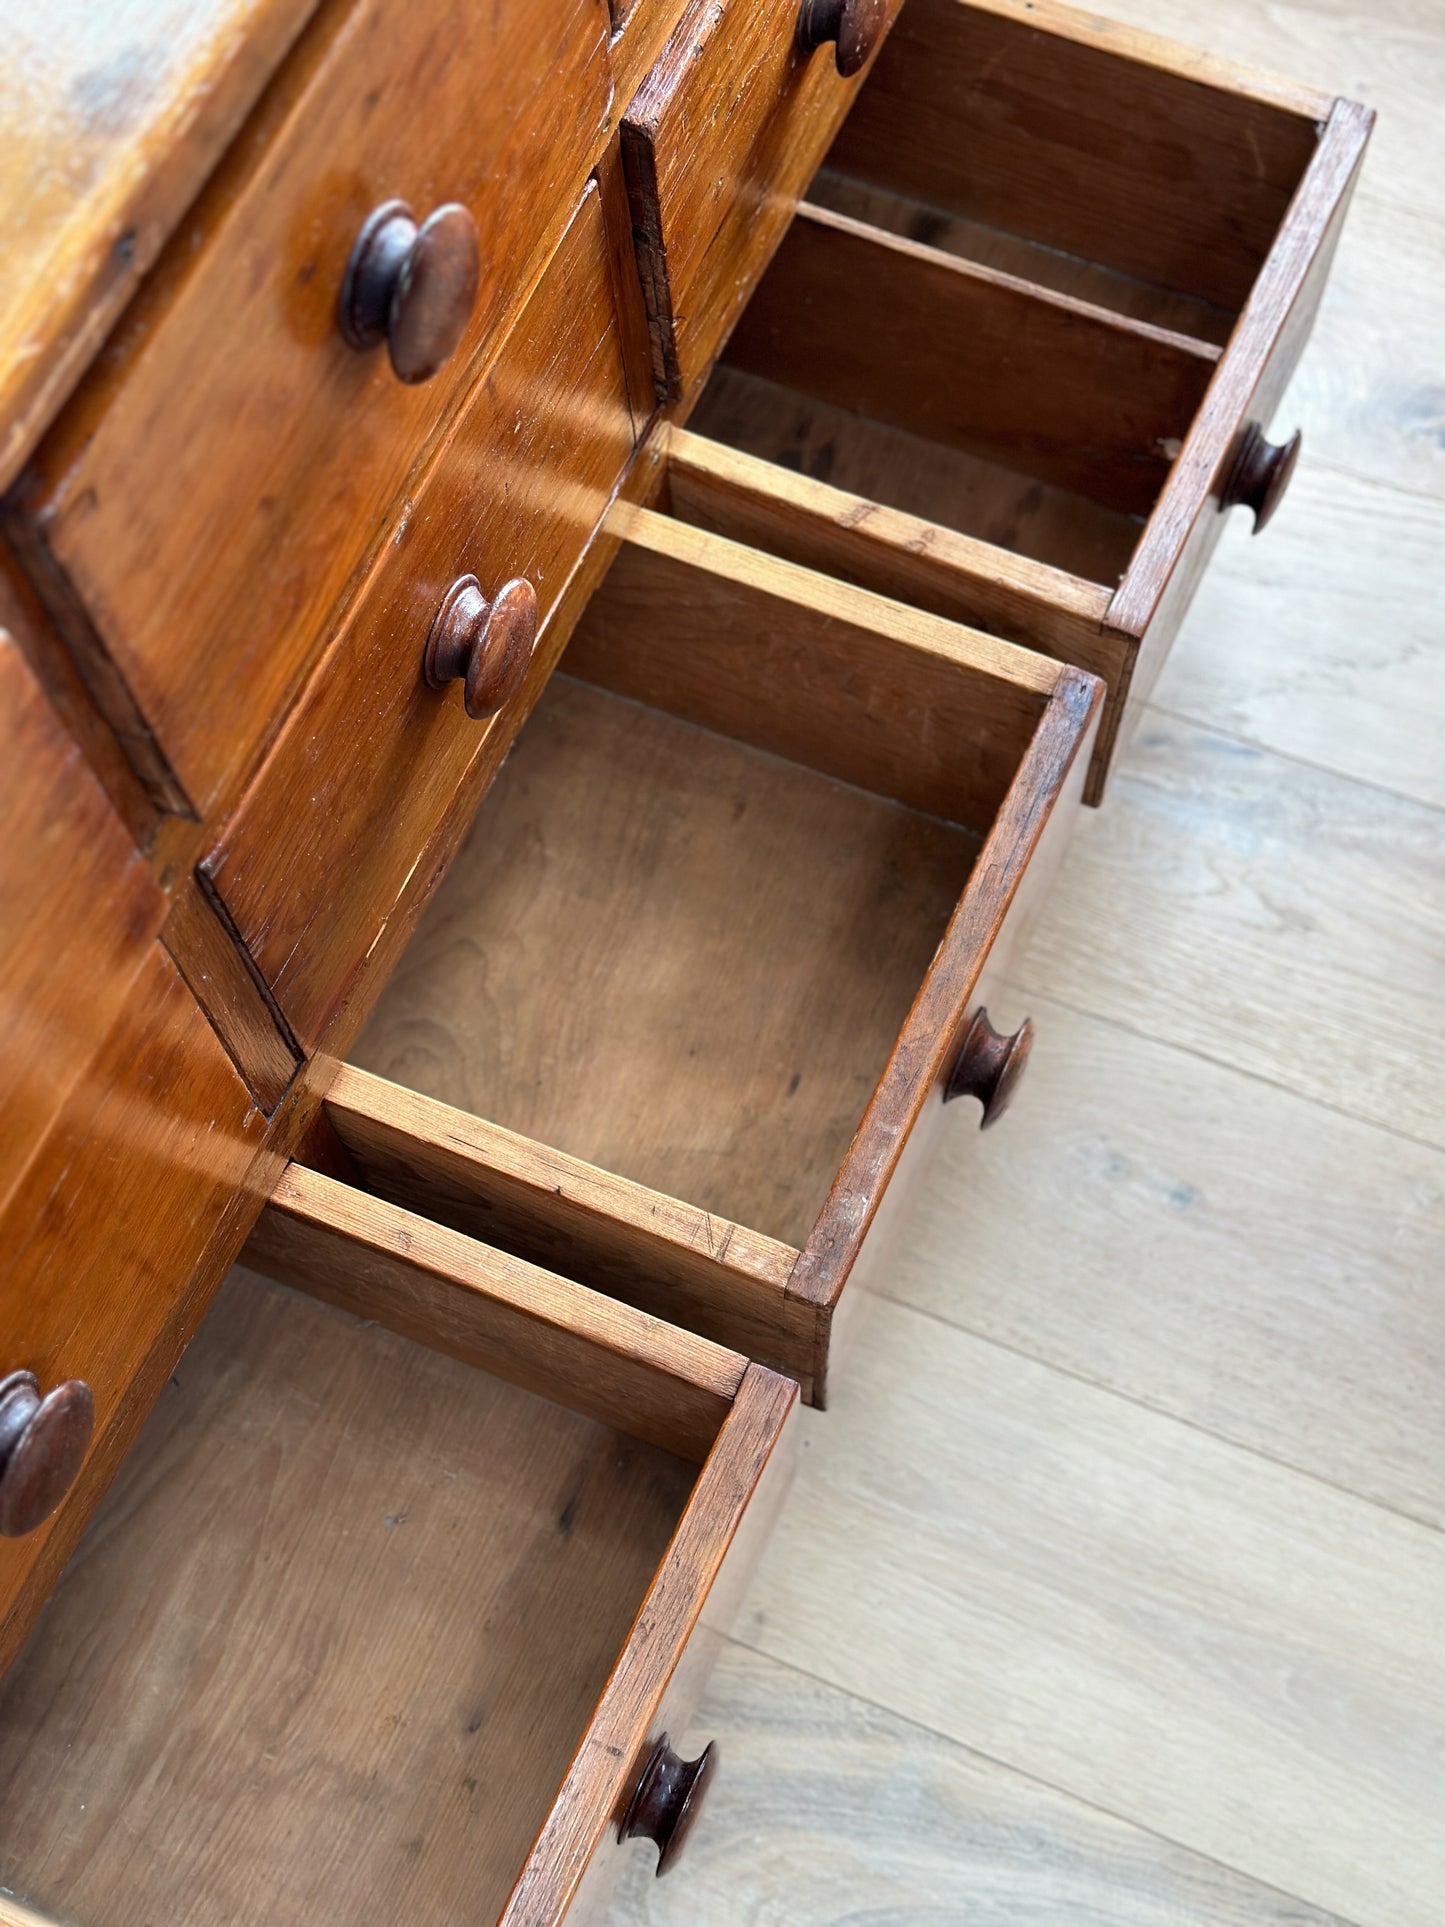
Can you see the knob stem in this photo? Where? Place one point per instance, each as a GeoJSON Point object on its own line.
{"type": "Point", "coordinates": [665, 1804]}
{"type": "Point", "coordinates": [43, 1442]}
{"type": "Point", "coordinates": [989, 1065]}
{"type": "Point", "coordinates": [854, 26]}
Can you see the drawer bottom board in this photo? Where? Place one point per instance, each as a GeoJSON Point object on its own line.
{"type": "Point", "coordinates": [673, 955]}
{"type": "Point", "coordinates": [332, 1639]}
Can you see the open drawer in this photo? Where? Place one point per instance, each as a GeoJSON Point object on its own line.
{"type": "Point", "coordinates": [368, 1633]}
{"type": "Point", "coordinates": [1033, 319]}
{"type": "Point", "coordinates": [711, 957]}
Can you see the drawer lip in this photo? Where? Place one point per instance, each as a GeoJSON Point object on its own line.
{"type": "Point", "coordinates": [1241, 387]}
{"type": "Point", "coordinates": [919, 1062]}
{"type": "Point", "coordinates": [757, 1435]}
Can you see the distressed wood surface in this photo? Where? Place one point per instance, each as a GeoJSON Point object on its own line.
{"type": "Point", "coordinates": [516, 490]}
{"type": "Point", "coordinates": [231, 465]}
{"type": "Point", "coordinates": [664, 1256]}
{"type": "Point", "coordinates": [492, 1310]}
{"type": "Point", "coordinates": [315, 1505]}
{"type": "Point", "coordinates": [718, 143]}
{"type": "Point", "coordinates": [1240, 1658]}
{"type": "Point", "coordinates": [113, 118]}
{"type": "Point", "coordinates": [891, 1821]}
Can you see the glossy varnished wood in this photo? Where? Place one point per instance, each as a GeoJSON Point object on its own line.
{"type": "Point", "coordinates": [78, 911]}
{"type": "Point", "coordinates": [718, 143]}
{"type": "Point", "coordinates": [515, 491]}
{"type": "Point", "coordinates": [101, 1236]}
{"type": "Point", "coordinates": [109, 134]}
{"type": "Point", "coordinates": [232, 463]}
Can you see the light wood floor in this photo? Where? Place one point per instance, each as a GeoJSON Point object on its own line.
{"type": "Point", "coordinates": [1113, 1586]}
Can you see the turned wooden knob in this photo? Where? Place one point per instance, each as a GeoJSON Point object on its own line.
{"type": "Point", "coordinates": [1261, 474]}
{"type": "Point", "coordinates": [485, 645]}
{"type": "Point", "coordinates": [412, 286]}
{"type": "Point", "coordinates": [668, 1796]}
{"type": "Point", "coordinates": [854, 26]}
{"type": "Point", "coordinates": [42, 1444]}
{"type": "Point", "coordinates": [989, 1065]}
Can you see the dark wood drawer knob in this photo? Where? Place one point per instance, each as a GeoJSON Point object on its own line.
{"type": "Point", "coordinates": [1261, 474]}
{"type": "Point", "coordinates": [412, 286]}
{"type": "Point", "coordinates": [667, 1799]}
{"type": "Point", "coordinates": [854, 26]}
{"type": "Point", "coordinates": [42, 1444]}
{"type": "Point", "coordinates": [989, 1065]}
{"type": "Point", "coordinates": [485, 645]}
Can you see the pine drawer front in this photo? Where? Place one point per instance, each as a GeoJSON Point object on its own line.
{"type": "Point", "coordinates": [343, 807]}
{"type": "Point", "coordinates": [101, 1241]}
{"type": "Point", "coordinates": [230, 464]}
{"type": "Point", "coordinates": [718, 143]}
{"type": "Point", "coordinates": [1040, 306]}
{"type": "Point", "coordinates": [407, 1586]}
{"type": "Point", "coordinates": [713, 949]}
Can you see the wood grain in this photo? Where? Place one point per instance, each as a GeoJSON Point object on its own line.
{"type": "Point", "coordinates": [109, 135]}
{"type": "Point", "coordinates": [1266, 915]}
{"type": "Point", "coordinates": [517, 489]}
{"type": "Point", "coordinates": [659, 1676]}
{"type": "Point", "coordinates": [1013, 512]}
{"type": "Point", "coordinates": [1190, 200]}
{"type": "Point", "coordinates": [101, 1237]}
{"type": "Point", "coordinates": [851, 684]}
{"type": "Point", "coordinates": [713, 486]}
{"type": "Point", "coordinates": [831, 1806]}
{"type": "Point", "coordinates": [242, 1015]}
{"type": "Point", "coordinates": [231, 464]}
{"type": "Point", "coordinates": [1240, 1659]}
{"type": "Point", "coordinates": [680, 897]}
{"type": "Point", "coordinates": [1073, 395]}
{"type": "Point", "coordinates": [317, 1504]}
{"type": "Point", "coordinates": [1016, 255]}
{"type": "Point", "coordinates": [494, 1311]}
{"type": "Point", "coordinates": [1285, 1302]}
{"type": "Point", "coordinates": [1352, 671]}
{"type": "Point", "coordinates": [665, 1257]}
{"type": "Point", "coordinates": [718, 143]}
{"type": "Point", "coordinates": [78, 911]}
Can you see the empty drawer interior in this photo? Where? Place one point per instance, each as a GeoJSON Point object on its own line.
{"type": "Point", "coordinates": [331, 1641]}
{"type": "Point", "coordinates": [1009, 286]}
{"type": "Point", "coordinates": [701, 898]}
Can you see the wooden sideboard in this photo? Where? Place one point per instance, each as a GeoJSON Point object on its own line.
{"type": "Point", "coordinates": [567, 571]}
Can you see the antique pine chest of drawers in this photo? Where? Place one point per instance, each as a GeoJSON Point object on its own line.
{"type": "Point", "coordinates": [567, 571]}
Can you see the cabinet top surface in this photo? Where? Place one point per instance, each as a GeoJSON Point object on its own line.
{"type": "Point", "coordinates": [114, 112]}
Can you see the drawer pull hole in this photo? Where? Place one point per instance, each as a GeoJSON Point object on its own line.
{"type": "Point", "coordinates": [486, 646]}
{"type": "Point", "coordinates": [854, 26]}
{"type": "Point", "coordinates": [667, 1799]}
{"type": "Point", "coordinates": [1261, 474]}
{"type": "Point", "coordinates": [413, 287]}
{"type": "Point", "coordinates": [989, 1065]}
{"type": "Point", "coordinates": [42, 1444]}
